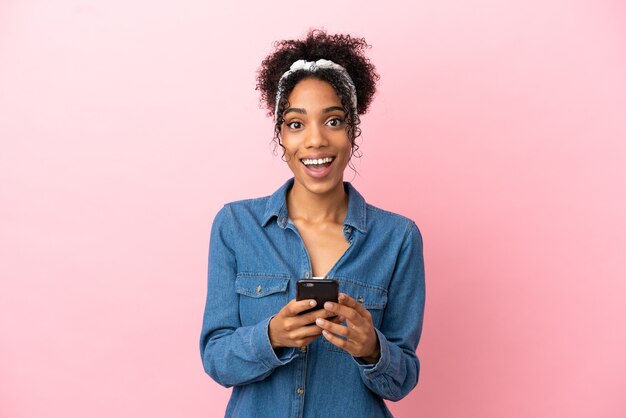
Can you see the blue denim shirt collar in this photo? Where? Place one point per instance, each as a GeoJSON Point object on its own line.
{"type": "Point", "coordinates": [277, 207]}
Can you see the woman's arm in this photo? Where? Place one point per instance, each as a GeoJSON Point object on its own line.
{"type": "Point", "coordinates": [397, 371]}
{"type": "Point", "coordinates": [392, 348]}
{"type": "Point", "coordinates": [232, 354]}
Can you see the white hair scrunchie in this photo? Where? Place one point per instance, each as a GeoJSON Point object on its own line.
{"type": "Point", "coordinates": [312, 66]}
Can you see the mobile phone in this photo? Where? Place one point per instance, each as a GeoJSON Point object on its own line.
{"type": "Point", "coordinates": [322, 290]}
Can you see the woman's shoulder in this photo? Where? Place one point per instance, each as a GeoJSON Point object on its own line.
{"type": "Point", "coordinates": [243, 212]}
{"type": "Point", "coordinates": [385, 221]}
{"type": "Point", "coordinates": [369, 216]}
{"type": "Point", "coordinates": [259, 209]}
{"type": "Point", "coordinates": [375, 213]}
{"type": "Point", "coordinates": [244, 207]}
{"type": "Point", "coordinates": [248, 203]}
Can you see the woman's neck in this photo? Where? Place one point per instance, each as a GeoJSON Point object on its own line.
{"type": "Point", "coordinates": [317, 208]}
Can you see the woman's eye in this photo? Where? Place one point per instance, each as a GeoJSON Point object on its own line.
{"type": "Point", "coordinates": [334, 122]}
{"type": "Point", "coordinates": [295, 125]}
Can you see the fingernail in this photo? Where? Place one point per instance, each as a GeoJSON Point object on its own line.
{"type": "Point", "coordinates": [325, 333]}
{"type": "Point", "coordinates": [319, 321]}
{"type": "Point", "coordinates": [342, 296]}
{"type": "Point", "coordinates": [328, 305]}
{"type": "Point", "coordinates": [313, 302]}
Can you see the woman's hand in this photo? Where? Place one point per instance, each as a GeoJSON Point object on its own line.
{"type": "Point", "coordinates": [290, 329]}
{"type": "Point", "coordinates": [360, 339]}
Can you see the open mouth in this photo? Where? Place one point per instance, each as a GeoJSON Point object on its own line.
{"type": "Point", "coordinates": [317, 163]}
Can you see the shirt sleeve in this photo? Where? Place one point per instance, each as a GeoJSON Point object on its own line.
{"type": "Point", "coordinates": [397, 371]}
{"type": "Point", "coordinates": [232, 354]}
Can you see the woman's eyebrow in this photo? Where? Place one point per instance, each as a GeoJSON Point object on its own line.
{"type": "Point", "coordinates": [296, 110]}
{"type": "Point", "coordinates": [303, 111]}
{"type": "Point", "coordinates": [330, 109]}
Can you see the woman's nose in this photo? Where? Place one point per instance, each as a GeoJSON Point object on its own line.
{"type": "Point", "coordinates": [315, 138]}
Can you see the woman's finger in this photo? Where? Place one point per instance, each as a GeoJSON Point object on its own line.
{"type": "Point", "coordinates": [337, 329]}
{"type": "Point", "coordinates": [310, 317]}
{"type": "Point", "coordinates": [305, 332]}
{"type": "Point", "coordinates": [337, 341]}
{"type": "Point", "coordinates": [350, 314]}
{"type": "Point", "coordinates": [347, 300]}
{"type": "Point", "coordinates": [295, 307]}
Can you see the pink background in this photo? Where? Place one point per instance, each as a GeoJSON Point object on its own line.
{"type": "Point", "coordinates": [500, 127]}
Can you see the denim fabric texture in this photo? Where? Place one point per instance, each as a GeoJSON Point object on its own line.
{"type": "Point", "coordinates": [256, 256]}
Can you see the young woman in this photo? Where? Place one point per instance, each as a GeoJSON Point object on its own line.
{"type": "Point", "coordinates": [342, 360]}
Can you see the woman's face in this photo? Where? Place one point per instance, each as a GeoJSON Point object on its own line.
{"type": "Point", "coordinates": [317, 146]}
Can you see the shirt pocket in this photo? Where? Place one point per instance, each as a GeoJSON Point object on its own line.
{"type": "Point", "coordinates": [260, 295]}
{"type": "Point", "coordinates": [372, 298]}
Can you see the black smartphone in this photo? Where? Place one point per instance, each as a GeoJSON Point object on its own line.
{"type": "Point", "coordinates": [322, 290]}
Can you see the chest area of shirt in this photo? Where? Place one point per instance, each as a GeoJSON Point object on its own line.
{"type": "Point", "coordinates": [324, 246]}
{"type": "Point", "coordinates": [280, 250]}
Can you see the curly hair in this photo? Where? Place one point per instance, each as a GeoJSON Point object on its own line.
{"type": "Point", "coordinates": [344, 50]}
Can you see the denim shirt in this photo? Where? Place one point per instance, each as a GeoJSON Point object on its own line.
{"type": "Point", "coordinates": [256, 256]}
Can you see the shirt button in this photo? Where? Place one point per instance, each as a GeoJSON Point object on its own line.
{"type": "Point", "coordinates": [306, 275]}
{"type": "Point", "coordinates": [348, 230]}
{"type": "Point", "coordinates": [360, 299]}
{"type": "Point", "coordinates": [258, 289]}
{"type": "Point", "coordinates": [300, 391]}
{"type": "Point", "coordinates": [303, 349]}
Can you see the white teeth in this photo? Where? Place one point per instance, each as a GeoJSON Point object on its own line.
{"type": "Point", "coordinates": [313, 161]}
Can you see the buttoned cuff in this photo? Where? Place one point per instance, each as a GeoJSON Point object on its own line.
{"type": "Point", "coordinates": [372, 370]}
{"type": "Point", "coordinates": [260, 341]}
